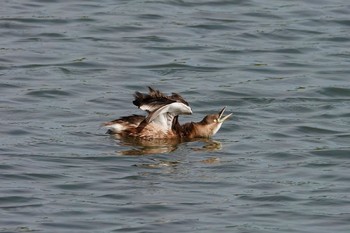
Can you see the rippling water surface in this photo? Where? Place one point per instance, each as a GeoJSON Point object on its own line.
{"type": "Point", "coordinates": [281, 164]}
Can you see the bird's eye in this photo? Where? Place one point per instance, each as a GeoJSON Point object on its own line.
{"type": "Point", "coordinates": [215, 120]}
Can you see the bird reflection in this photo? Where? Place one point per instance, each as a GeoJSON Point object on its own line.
{"type": "Point", "coordinates": [160, 146]}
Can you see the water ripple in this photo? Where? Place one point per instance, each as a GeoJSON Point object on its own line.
{"type": "Point", "coordinates": [48, 93]}
{"type": "Point", "coordinates": [280, 164]}
{"type": "Point", "coordinates": [335, 91]}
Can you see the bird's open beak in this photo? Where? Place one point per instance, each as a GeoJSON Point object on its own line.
{"type": "Point", "coordinates": [221, 117]}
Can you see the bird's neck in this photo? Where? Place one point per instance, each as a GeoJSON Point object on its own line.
{"type": "Point", "coordinates": [194, 130]}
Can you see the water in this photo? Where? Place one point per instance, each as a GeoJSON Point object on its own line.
{"type": "Point", "coordinates": [279, 165]}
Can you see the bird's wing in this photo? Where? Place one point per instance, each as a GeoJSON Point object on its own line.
{"type": "Point", "coordinates": [155, 99]}
{"type": "Point", "coordinates": [164, 115]}
{"type": "Point", "coordinates": [123, 123]}
{"type": "Point", "coordinates": [155, 104]}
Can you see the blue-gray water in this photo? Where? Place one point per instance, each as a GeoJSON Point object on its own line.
{"type": "Point", "coordinates": [281, 164]}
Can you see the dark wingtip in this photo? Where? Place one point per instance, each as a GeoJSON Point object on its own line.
{"type": "Point", "coordinates": [178, 97]}
{"type": "Point", "coordinates": [138, 98]}
{"type": "Point", "coordinates": [109, 132]}
{"type": "Point", "coordinates": [156, 96]}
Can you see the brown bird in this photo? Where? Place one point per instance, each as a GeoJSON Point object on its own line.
{"type": "Point", "coordinates": [162, 119]}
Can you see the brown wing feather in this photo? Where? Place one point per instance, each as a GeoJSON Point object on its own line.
{"type": "Point", "coordinates": [131, 120]}
{"type": "Point", "coordinates": [178, 98]}
{"type": "Point", "coordinates": [156, 99]}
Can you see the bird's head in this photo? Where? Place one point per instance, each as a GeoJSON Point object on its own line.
{"type": "Point", "coordinates": [211, 124]}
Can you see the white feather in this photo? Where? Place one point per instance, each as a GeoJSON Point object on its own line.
{"type": "Point", "coordinates": [164, 115]}
{"type": "Point", "coordinates": [173, 108]}
{"type": "Point", "coordinates": [146, 107]}
{"type": "Point", "coordinates": [216, 129]}
{"type": "Point", "coordinates": [116, 128]}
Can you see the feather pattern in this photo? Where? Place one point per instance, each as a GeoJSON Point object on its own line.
{"type": "Point", "coordinates": [123, 124]}
{"type": "Point", "coordinates": [155, 99]}
{"type": "Point", "coordinates": [161, 108]}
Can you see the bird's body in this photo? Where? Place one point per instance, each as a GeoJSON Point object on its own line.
{"type": "Point", "coordinates": [162, 119]}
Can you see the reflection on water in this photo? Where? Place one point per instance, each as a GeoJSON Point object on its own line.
{"type": "Point", "coordinates": [210, 145]}
{"type": "Point", "coordinates": [163, 145]}
{"type": "Point", "coordinates": [173, 164]}
{"type": "Point", "coordinates": [159, 164]}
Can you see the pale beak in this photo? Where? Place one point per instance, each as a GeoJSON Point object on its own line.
{"type": "Point", "coordinates": [221, 117]}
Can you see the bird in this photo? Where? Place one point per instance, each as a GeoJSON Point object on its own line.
{"type": "Point", "coordinates": [162, 119]}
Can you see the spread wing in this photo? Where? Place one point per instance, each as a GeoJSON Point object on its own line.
{"type": "Point", "coordinates": [164, 115]}
{"type": "Point", "coordinates": [161, 108]}
{"type": "Point", "coordinates": [155, 99]}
